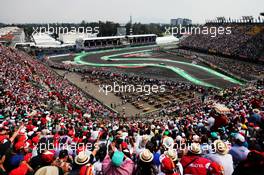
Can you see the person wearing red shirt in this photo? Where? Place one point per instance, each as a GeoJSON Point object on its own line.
{"type": "Point", "coordinates": [194, 164]}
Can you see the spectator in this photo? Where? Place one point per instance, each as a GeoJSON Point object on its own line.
{"type": "Point", "coordinates": [170, 164]}
{"type": "Point", "coordinates": [238, 151]}
{"type": "Point", "coordinates": [194, 163]}
{"type": "Point", "coordinates": [145, 165]}
{"type": "Point", "coordinates": [222, 157]}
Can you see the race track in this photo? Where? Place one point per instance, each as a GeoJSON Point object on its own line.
{"type": "Point", "coordinates": [142, 59]}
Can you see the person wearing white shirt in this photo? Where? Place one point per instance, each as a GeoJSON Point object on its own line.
{"type": "Point", "coordinates": [220, 155]}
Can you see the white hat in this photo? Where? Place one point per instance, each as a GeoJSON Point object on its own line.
{"type": "Point", "coordinates": [23, 130]}
{"type": "Point", "coordinates": [196, 138]}
{"type": "Point", "coordinates": [46, 112]}
{"type": "Point", "coordinates": [146, 156]}
{"type": "Point", "coordinates": [172, 153]}
{"type": "Point", "coordinates": [115, 128]}
{"type": "Point", "coordinates": [168, 142]}
{"type": "Point", "coordinates": [30, 133]}
{"type": "Point", "coordinates": [48, 170]}
{"type": "Point", "coordinates": [178, 138]}
{"type": "Point", "coordinates": [221, 147]}
{"type": "Point", "coordinates": [144, 139]}
{"type": "Point", "coordinates": [82, 158]}
{"type": "Point", "coordinates": [240, 137]}
{"type": "Point", "coordinates": [257, 111]}
{"type": "Point", "coordinates": [195, 148]}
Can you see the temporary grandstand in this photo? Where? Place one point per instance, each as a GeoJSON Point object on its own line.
{"type": "Point", "coordinates": [99, 42]}
{"type": "Point", "coordinates": [115, 41]}
{"type": "Point", "coordinates": [136, 40]}
{"type": "Point", "coordinates": [43, 44]}
{"type": "Point", "coordinates": [12, 35]}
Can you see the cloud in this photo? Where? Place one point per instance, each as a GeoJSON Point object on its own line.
{"type": "Point", "coordinates": [21, 11]}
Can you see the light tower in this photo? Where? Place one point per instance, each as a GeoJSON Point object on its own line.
{"type": "Point", "coordinates": [131, 26]}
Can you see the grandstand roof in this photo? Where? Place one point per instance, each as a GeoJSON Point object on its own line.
{"type": "Point", "coordinates": [54, 46]}
{"type": "Point", "coordinates": [118, 37]}
{"type": "Point", "coordinates": [44, 39]}
{"type": "Point", "coordinates": [70, 38]}
{"type": "Point", "coordinates": [143, 35]}
{"type": "Point", "coordinates": [166, 40]}
{"type": "Point", "coordinates": [106, 37]}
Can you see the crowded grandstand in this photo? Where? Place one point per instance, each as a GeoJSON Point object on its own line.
{"type": "Point", "coordinates": [209, 120]}
{"type": "Point", "coordinates": [245, 42]}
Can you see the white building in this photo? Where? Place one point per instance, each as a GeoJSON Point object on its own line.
{"type": "Point", "coordinates": [71, 38]}
{"type": "Point", "coordinates": [12, 35]}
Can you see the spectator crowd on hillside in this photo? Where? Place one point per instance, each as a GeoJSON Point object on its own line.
{"type": "Point", "coordinates": [246, 70]}
{"type": "Point", "coordinates": [49, 127]}
{"type": "Point", "coordinates": [245, 41]}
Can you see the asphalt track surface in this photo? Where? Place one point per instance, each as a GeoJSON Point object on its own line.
{"type": "Point", "coordinates": [164, 66]}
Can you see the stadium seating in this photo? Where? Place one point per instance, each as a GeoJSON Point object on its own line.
{"type": "Point", "coordinates": [244, 42]}
{"type": "Point", "coordinates": [47, 125]}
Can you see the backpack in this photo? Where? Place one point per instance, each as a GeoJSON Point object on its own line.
{"type": "Point", "coordinates": [215, 169]}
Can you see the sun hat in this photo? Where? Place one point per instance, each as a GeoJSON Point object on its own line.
{"type": "Point", "coordinates": [48, 170]}
{"type": "Point", "coordinates": [144, 140]}
{"type": "Point", "coordinates": [115, 128]}
{"type": "Point", "coordinates": [168, 142]}
{"type": "Point", "coordinates": [82, 158]}
{"type": "Point", "coordinates": [178, 138]}
{"type": "Point", "coordinates": [195, 148]}
{"type": "Point", "coordinates": [257, 111]}
{"type": "Point", "coordinates": [240, 137]}
{"type": "Point", "coordinates": [196, 138]}
{"type": "Point", "coordinates": [220, 147]}
{"type": "Point", "coordinates": [146, 156]}
{"type": "Point", "coordinates": [172, 153]}
{"type": "Point", "coordinates": [117, 158]}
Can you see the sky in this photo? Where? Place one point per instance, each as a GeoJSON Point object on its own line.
{"type": "Point", "coordinates": [144, 11]}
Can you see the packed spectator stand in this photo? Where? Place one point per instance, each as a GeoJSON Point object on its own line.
{"type": "Point", "coordinates": [245, 41]}
{"type": "Point", "coordinates": [249, 71]}
{"type": "Point", "coordinates": [47, 123]}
